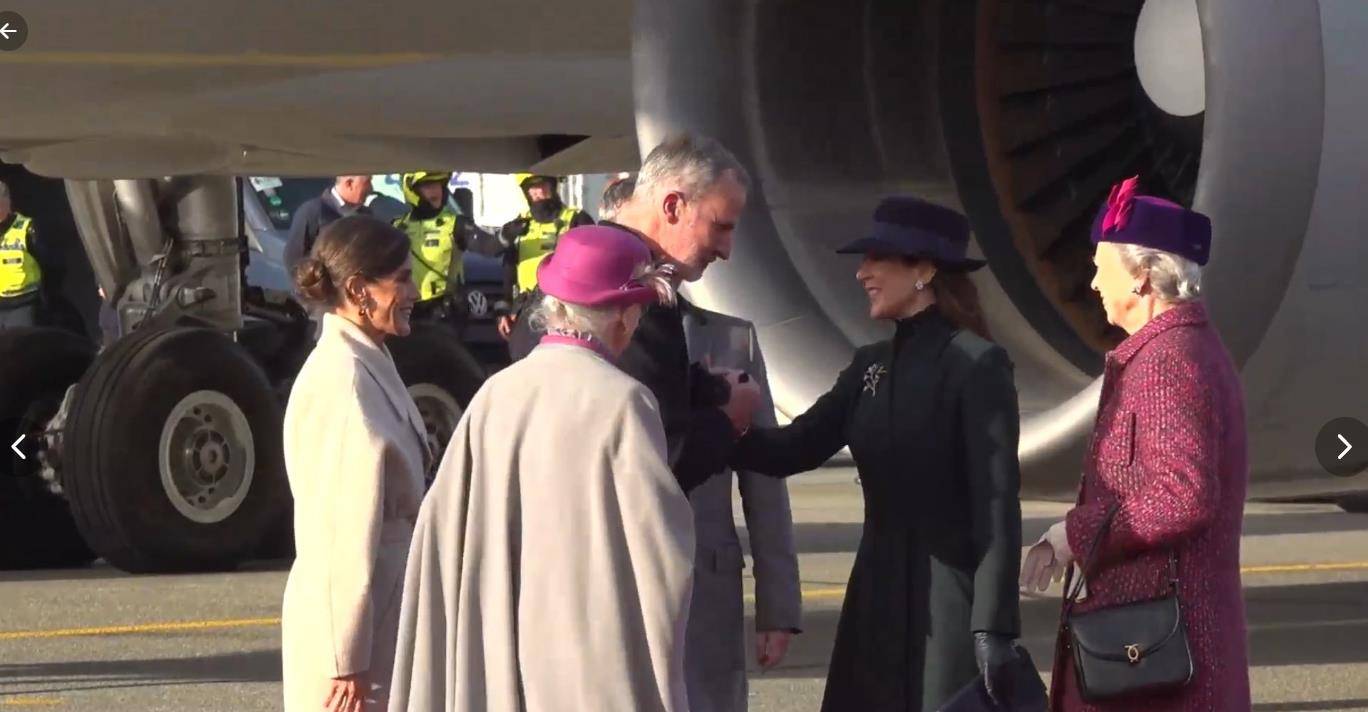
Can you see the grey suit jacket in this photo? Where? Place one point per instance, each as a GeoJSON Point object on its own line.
{"type": "Point", "coordinates": [715, 657]}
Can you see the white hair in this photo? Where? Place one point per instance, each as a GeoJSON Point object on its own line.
{"type": "Point", "coordinates": [554, 313]}
{"type": "Point", "coordinates": [690, 164]}
{"type": "Point", "coordinates": [1172, 277]}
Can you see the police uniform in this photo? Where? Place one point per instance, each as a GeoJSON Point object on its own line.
{"type": "Point", "coordinates": [436, 240]}
{"type": "Point", "coordinates": [21, 275]}
{"type": "Point", "coordinates": [532, 239]}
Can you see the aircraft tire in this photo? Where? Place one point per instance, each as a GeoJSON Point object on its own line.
{"type": "Point", "coordinates": [442, 377]}
{"type": "Point", "coordinates": [1354, 503]}
{"type": "Point", "coordinates": [36, 528]}
{"type": "Point", "coordinates": [175, 455]}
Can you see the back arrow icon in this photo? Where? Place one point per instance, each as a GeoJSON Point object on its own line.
{"type": "Point", "coordinates": [6, 30]}
{"type": "Point", "coordinates": [15, 447]}
{"type": "Point", "coordinates": [1347, 447]}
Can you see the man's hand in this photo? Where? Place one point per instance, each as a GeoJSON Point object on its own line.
{"type": "Point", "coordinates": [745, 400]}
{"type": "Point", "coordinates": [771, 646]}
{"type": "Point", "coordinates": [346, 694]}
{"type": "Point", "coordinates": [995, 655]}
{"type": "Point", "coordinates": [506, 323]}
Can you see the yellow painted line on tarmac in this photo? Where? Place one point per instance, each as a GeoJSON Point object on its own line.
{"type": "Point", "coordinates": [206, 59]}
{"type": "Point", "coordinates": [171, 627]}
{"type": "Point", "coordinates": [30, 701]}
{"type": "Point", "coordinates": [1305, 568]}
{"type": "Point", "coordinates": [817, 593]}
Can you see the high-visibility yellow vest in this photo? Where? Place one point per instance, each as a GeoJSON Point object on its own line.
{"type": "Point", "coordinates": [539, 242]}
{"type": "Point", "coordinates": [435, 254]}
{"type": "Point", "coordinates": [19, 271]}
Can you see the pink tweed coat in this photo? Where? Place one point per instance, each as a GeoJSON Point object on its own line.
{"type": "Point", "coordinates": [1169, 448]}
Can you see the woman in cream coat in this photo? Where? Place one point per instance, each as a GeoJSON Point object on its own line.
{"type": "Point", "coordinates": [356, 453]}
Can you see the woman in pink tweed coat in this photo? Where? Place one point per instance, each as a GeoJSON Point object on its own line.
{"type": "Point", "coordinates": [1168, 451]}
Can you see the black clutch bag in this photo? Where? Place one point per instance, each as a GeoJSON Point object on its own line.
{"type": "Point", "coordinates": [1131, 649]}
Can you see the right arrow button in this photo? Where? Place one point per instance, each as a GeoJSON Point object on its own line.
{"type": "Point", "coordinates": [1336, 447]}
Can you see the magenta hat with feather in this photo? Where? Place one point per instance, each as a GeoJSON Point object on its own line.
{"type": "Point", "coordinates": [593, 266]}
{"type": "Point", "coordinates": [1152, 222]}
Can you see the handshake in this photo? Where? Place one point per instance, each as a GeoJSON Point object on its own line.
{"type": "Point", "coordinates": [734, 391]}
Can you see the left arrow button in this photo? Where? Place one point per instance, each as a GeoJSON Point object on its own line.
{"type": "Point", "coordinates": [13, 31]}
{"type": "Point", "coordinates": [15, 447]}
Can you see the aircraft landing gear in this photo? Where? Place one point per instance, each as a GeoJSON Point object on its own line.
{"type": "Point", "coordinates": [182, 471]}
{"type": "Point", "coordinates": [36, 527]}
{"type": "Point", "coordinates": [441, 376]}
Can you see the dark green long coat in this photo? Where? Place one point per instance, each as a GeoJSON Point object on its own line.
{"type": "Point", "coordinates": [931, 419]}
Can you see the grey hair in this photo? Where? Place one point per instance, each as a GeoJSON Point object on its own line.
{"type": "Point", "coordinates": [615, 195]}
{"type": "Point", "coordinates": [1174, 278]}
{"type": "Point", "coordinates": [553, 313]}
{"type": "Point", "coordinates": [4, 191]}
{"type": "Point", "coordinates": [689, 163]}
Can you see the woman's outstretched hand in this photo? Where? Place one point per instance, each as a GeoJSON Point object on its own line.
{"type": "Point", "coordinates": [1046, 560]}
{"type": "Point", "coordinates": [346, 694]}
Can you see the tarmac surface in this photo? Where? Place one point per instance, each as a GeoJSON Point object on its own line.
{"type": "Point", "coordinates": [99, 639]}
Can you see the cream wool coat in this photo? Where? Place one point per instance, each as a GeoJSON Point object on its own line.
{"type": "Point", "coordinates": [355, 450]}
{"type": "Point", "coordinates": [552, 562]}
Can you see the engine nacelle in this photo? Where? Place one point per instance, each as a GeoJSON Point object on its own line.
{"type": "Point", "coordinates": [1023, 114]}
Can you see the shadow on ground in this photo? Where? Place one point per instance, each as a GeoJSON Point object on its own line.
{"type": "Point", "coordinates": [37, 678]}
{"type": "Point", "coordinates": [1289, 625]}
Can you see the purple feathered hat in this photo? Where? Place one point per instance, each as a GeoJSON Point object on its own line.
{"type": "Point", "coordinates": [1156, 223]}
{"type": "Point", "coordinates": [593, 266]}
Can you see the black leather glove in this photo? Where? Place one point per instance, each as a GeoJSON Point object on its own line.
{"type": "Point", "coordinates": [515, 228]}
{"type": "Point", "coordinates": [995, 654]}
{"type": "Point", "coordinates": [706, 389]}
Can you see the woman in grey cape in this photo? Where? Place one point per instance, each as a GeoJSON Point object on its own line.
{"type": "Point", "coordinates": [551, 565]}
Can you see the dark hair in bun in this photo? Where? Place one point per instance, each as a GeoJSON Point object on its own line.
{"type": "Point", "coordinates": [354, 245]}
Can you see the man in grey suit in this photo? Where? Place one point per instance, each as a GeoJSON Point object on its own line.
{"type": "Point", "coordinates": [715, 653]}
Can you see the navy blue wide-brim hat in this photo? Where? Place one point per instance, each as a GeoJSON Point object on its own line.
{"type": "Point", "coordinates": [912, 227]}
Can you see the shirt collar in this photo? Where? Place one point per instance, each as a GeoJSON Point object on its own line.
{"type": "Point", "coordinates": [1188, 314]}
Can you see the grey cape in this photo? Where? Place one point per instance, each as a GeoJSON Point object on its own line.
{"type": "Point", "coordinates": [551, 564]}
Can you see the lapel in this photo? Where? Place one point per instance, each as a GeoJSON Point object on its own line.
{"type": "Point", "coordinates": [379, 364]}
{"type": "Point", "coordinates": [726, 339]}
{"type": "Point", "coordinates": [695, 331]}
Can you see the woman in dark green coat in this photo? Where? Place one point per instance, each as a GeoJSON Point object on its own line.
{"type": "Point", "coordinates": [931, 419]}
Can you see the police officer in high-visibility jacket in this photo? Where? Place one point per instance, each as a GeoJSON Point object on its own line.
{"type": "Point", "coordinates": [435, 238]}
{"type": "Point", "coordinates": [26, 267]}
{"type": "Point", "coordinates": [439, 235]}
{"type": "Point", "coordinates": [533, 235]}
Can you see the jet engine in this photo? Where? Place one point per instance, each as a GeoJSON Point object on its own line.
{"type": "Point", "coordinates": [1023, 113]}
